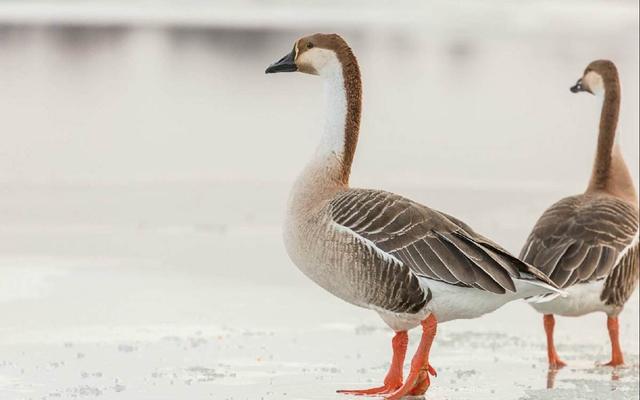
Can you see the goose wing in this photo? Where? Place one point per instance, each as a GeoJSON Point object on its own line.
{"type": "Point", "coordinates": [430, 243]}
{"type": "Point", "coordinates": [583, 238]}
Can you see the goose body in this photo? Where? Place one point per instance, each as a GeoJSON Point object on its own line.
{"type": "Point", "coordinates": [374, 249]}
{"type": "Point", "coordinates": [588, 243]}
{"type": "Point", "coordinates": [381, 251]}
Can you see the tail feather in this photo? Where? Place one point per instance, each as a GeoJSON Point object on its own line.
{"type": "Point", "coordinates": [544, 298]}
{"type": "Point", "coordinates": [533, 288]}
{"type": "Point", "coordinates": [528, 271]}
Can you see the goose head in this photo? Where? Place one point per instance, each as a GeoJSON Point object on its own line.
{"type": "Point", "coordinates": [596, 77]}
{"type": "Point", "coordinates": [317, 54]}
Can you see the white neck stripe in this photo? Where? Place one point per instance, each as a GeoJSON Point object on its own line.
{"type": "Point", "coordinates": [333, 137]}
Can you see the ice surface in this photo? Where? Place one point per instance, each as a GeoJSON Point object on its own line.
{"type": "Point", "coordinates": [181, 326]}
{"type": "Point", "coordinates": [144, 172]}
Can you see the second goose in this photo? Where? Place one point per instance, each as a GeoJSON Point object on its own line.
{"type": "Point", "coordinates": [413, 265]}
{"type": "Point", "coordinates": [588, 243]}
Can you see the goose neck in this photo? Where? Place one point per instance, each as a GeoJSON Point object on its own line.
{"type": "Point", "coordinates": [610, 173]}
{"type": "Point", "coordinates": [342, 96]}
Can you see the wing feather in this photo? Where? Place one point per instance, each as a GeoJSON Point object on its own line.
{"type": "Point", "coordinates": [429, 243]}
{"type": "Point", "coordinates": [579, 238]}
{"type": "Point", "coordinates": [481, 261]}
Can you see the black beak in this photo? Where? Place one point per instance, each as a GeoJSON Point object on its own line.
{"type": "Point", "coordinates": [285, 64]}
{"type": "Point", "coordinates": [577, 87]}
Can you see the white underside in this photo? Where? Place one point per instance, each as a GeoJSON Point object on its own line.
{"type": "Point", "coordinates": [451, 302]}
{"type": "Point", "coordinates": [581, 299]}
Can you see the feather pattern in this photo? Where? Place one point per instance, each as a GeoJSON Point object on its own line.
{"type": "Point", "coordinates": [585, 238]}
{"type": "Point", "coordinates": [429, 243]}
{"type": "Point", "coordinates": [622, 281]}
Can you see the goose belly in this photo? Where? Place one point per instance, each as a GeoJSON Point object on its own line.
{"type": "Point", "coordinates": [581, 299]}
{"type": "Point", "coordinates": [451, 302]}
{"type": "Point", "coordinates": [448, 302]}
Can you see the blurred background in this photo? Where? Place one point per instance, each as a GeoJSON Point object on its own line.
{"type": "Point", "coordinates": [146, 161]}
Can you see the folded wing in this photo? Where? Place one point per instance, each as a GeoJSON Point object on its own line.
{"type": "Point", "coordinates": [432, 244]}
{"type": "Point", "coordinates": [585, 238]}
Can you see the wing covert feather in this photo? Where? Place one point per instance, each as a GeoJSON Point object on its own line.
{"type": "Point", "coordinates": [432, 244]}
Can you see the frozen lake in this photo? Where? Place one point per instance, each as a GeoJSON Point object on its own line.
{"type": "Point", "coordinates": [146, 163]}
{"type": "Point", "coordinates": [156, 309]}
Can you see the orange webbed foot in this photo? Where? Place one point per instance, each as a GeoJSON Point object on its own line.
{"type": "Point", "coordinates": [613, 363]}
{"type": "Point", "coordinates": [418, 380]}
{"type": "Point", "coordinates": [416, 384]}
{"type": "Point", "coordinates": [380, 390]}
{"type": "Point", "coordinates": [393, 380]}
{"type": "Point", "coordinates": [423, 381]}
{"type": "Point", "coordinates": [557, 364]}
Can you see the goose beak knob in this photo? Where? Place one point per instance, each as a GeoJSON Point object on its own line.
{"type": "Point", "coordinates": [285, 64]}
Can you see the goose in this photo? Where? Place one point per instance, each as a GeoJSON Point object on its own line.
{"type": "Point", "coordinates": [411, 264]}
{"type": "Point", "coordinates": [588, 243]}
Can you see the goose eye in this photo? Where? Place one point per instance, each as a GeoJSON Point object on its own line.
{"type": "Point", "coordinates": [309, 45]}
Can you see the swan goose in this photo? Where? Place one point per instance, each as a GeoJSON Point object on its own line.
{"type": "Point", "coordinates": [413, 265]}
{"type": "Point", "coordinates": [588, 243]}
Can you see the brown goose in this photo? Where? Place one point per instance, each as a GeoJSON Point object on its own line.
{"type": "Point", "coordinates": [378, 250]}
{"type": "Point", "coordinates": [588, 243]}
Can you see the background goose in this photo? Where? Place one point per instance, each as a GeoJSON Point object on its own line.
{"type": "Point", "coordinates": [378, 250]}
{"type": "Point", "coordinates": [589, 243]}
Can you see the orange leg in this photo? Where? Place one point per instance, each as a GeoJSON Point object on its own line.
{"type": "Point", "coordinates": [554, 360]}
{"type": "Point", "coordinates": [393, 380]}
{"type": "Point", "coordinates": [418, 381]}
{"type": "Point", "coordinates": [614, 335]}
